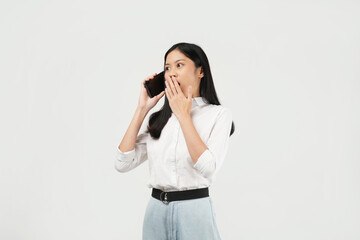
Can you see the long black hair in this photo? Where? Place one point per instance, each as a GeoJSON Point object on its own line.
{"type": "Point", "coordinates": [158, 119]}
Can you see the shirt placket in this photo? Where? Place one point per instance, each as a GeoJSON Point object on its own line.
{"type": "Point", "coordinates": [174, 159]}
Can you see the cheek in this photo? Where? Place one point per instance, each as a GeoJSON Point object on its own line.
{"type": "Point", "coordinates": [183, 88]}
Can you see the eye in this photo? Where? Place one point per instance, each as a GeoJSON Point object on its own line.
{"type": "Point", "coordinates": [166, 68]}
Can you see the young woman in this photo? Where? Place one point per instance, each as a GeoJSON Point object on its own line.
{"type": "Point", "coordinates": [185, 143]}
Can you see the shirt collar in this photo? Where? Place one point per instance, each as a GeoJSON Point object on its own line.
{"type": "Point", "coordinates": [198, 101]}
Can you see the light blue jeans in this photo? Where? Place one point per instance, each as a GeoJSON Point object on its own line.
{"type": "Point", "coordinates": [192, 219]}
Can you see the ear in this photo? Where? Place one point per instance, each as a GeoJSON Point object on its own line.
{"type": "Point", "coordinates": [201, 74]}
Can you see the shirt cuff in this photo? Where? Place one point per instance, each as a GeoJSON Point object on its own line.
{"type": "Point", "coordinates": [125, 156]}
{"type": "Point", "coordinates": [205, 164]}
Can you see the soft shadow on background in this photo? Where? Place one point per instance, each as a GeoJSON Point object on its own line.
{"type": "Point", "coordinates": [70, 75]}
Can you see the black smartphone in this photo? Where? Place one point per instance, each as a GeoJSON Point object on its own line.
{"type": "Point", "coordinates": [156, 85]}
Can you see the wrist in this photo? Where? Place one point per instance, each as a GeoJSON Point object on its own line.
{"type": "Point", "coordinates": [141, 110]}
{"type": "Point", "coordinates": [184, 118]}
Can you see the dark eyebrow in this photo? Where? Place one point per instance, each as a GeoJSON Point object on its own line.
{"type": "Point", "coordinates": [176, 61]}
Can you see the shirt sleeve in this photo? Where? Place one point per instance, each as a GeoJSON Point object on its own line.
{"type": "Point", "coordinates": [211, 160]}
{"type": "Point", "coordinates": [126, 161]}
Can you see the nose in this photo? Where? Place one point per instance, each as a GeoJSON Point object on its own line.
{"type": "Point", "coordinates": [172, 74]}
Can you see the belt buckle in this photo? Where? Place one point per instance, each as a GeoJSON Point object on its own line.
{"type": "Point", "coordinates": [165, 201]}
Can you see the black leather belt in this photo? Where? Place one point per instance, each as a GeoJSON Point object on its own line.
{"type": "Point", "coordinates": [167, 197]}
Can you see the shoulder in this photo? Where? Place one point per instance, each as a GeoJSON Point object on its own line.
{"type": "Point", "coordinates": [221, 111]}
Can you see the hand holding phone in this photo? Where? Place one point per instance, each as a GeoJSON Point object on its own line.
{"type": "Point", "coordinates": [147, 102]}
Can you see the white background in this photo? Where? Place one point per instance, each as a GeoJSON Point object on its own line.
{"type": "Point", "coordinates": [70, 76]}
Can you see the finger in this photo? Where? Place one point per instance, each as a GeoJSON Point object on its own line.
{"type": "Point", "coordinates": [190, 93]}
{"type": "Point", "coordinates": [176, 85]}
{"type": "Point", "coordinates": [143, 82]}
{"type": "Point", "coordinates": [172, 85]}
{"type": "Point", "coordinates": [168, 95]}
{"type": "Point", "coordinates": [169, 91]}
{"type": "Point", "coordinates": [151, 76]}
{"type": "Point", "coordinates": [168, 86]}
{"type": "Point", "coordinates": [160, 94]}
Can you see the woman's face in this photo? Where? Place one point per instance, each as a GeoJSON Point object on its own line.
{"type": "Point", "coordinates": [183, 68]}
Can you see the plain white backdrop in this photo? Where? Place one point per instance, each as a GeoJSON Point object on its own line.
{"type": "Point", "coordinates": [70, 75]}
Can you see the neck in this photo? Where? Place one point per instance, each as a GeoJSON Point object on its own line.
{"type": "Point", "coordinates": [196, 95]}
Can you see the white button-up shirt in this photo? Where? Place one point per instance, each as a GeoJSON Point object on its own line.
{"type": "Point", "coordinates": [170, 164]}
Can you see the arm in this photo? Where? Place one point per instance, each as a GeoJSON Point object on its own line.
{"type": "Point", "coordinates": [128, 141]}
{"type": "Point", "coordinates": [208, 158]}
{"type": "Point", "coordinates": [194, 143]}
{"type": "Point", "coordinates": [132, 150]}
